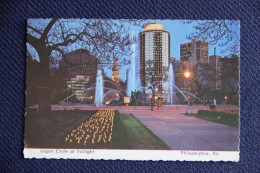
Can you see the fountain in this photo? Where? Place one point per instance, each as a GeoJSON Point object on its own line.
{"type": "Point", "coordinates": [171, 83]}
{"type": "Point", "coordinates": [99, 88]}
{"type": "Point", "coordinates": [137, 72]}
{"type": "Point", "coordinates": [173, 86]}
{"type": "Point", "coordinates": [134, 82]}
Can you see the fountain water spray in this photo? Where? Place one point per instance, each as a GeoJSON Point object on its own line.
{"type": "Point", "coordinates": [134, 82]}
{"type": "Point", "coordinates": [193, 96]}
{"type": "Point", "coordinates": [99, 88]}
{"type": "Point", "coordinates": [171, 83]}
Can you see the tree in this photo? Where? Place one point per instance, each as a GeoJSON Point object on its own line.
{"type": "Point", "coordinates": [201, 77]}
{"type": "Point", "coordinates": [152, 79]}
{"type": "Point", "coordinates": [58, 85]}
{"type": "Point", "coordinates": [49, 36]}
{"type": "Point", "coordinates": [230, 78]}
{"type": "Point", "coordinates": [221, 32]}
{"type": "Point", "coordinates": [32, 81]}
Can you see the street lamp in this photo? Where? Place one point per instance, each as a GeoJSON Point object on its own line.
{"type": "Point", "coordinates": [225, 99]}
{"type": "Point", "coordinates": [68, 89]}
{"type": "Point", "coordinates": [187, 75]}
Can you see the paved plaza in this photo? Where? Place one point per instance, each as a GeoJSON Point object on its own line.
{"type": "Point", "coordinates": [181, 132]}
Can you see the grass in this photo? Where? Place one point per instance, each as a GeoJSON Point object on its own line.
{"type": "Point", "coordinates": [230, 118]}
{"type": "Point", "coordinates": [132, 134]}
{"type": "Point", "coordinates": [120, 139]}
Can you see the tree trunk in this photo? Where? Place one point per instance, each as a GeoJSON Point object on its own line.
{"type": "Point", "coordinates": [44, 107]}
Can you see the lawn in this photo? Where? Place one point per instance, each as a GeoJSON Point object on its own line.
{"type": "Point", "coordinates": [227, 117]}
{"type": "Point", "coordinates": [135, 135]}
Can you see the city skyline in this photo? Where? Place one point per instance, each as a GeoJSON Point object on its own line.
{"type": "Point", "coordinates": [178, 33]}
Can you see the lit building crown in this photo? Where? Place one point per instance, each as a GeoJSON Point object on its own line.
{"type": "Point", "coordinates": [153, 26]}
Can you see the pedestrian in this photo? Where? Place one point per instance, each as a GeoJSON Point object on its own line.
{"type": "Point", "coordinates": [152, 102]}
{"type": "Point", "coordinates": [159, 103]}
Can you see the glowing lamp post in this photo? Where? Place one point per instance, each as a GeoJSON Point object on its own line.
{"type": "Point", "coordinates": [68, 89]}
{"type": "Point", "coordinates": [187, 75]}
{"type": "Point", "coordinates": [225, 99]}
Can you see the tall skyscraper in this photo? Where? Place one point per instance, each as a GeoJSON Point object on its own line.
{"type": "Point", "coordinates": [115, 72]}
{"type": "Point", "coordinates": [154, 58]}
{"type": "Point", "coordinates": [195, 52]}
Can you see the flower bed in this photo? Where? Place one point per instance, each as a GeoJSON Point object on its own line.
{"type": "Point", "coordinates": [97, 130]}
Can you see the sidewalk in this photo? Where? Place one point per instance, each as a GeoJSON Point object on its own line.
{"type": "Point", "coordinates": [182, 132]}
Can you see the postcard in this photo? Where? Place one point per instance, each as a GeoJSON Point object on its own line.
{"type": "Point", "coordinates": [132, 89]}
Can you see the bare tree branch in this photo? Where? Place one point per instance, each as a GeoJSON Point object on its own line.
{"type": "Point", "coordinates": [47, 29]}
{"type": "Point", "coordinates": [34, 29]}
{"type": "Point", "coordinates": [217, 32]}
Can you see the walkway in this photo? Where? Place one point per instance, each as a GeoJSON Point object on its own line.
{"type": "Point", "coordinates": [182, 132]}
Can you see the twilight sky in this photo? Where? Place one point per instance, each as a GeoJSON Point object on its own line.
{"type": "Point", "coordinates": [177, 30]}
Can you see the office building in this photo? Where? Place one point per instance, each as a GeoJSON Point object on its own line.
{"type": "Point", "coordinates": [195, 52]}
{"type": "Point", "coordinates": [78, 85]}
{"type": "Point", "coordinates": [79, 69]}
{"type": "Point", "coordinates": [79, 62]}
{"type": "Point", "coordinates": [154, 43]}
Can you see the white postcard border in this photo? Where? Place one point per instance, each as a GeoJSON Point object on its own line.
{"type": "Point", "coordinates": [155, 155]}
